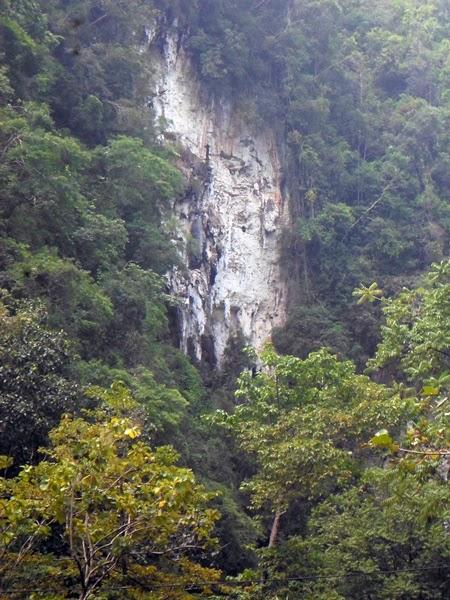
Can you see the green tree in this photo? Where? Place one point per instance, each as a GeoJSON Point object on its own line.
{"type": "Point", "coordinates": [118, 512]}
{"type": "Point", "coordinates": [415, 351]}
{"type": "Point", "coordinates": [387, 537]}
{"type": "Point", "coordinates": [35, 388]}
{"type": "Point", "coordinates": [76, 303]}
{"type": "Point", "coordinates": [140, 317]}
{"type": "Point", "coordinates": [416, 334]}
{"type": "Point", "coordinates": [304, 421]}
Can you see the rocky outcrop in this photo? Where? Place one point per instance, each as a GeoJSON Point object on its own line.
{"type": "Point", "coordinates": [231, 220]}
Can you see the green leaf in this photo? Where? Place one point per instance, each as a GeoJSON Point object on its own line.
{"type": "Point", "coordinates": [382, 439]}
{"type": "Point", "coordinates": [5, 461]}
{"type": "Point", "coordinates": [429, 390]}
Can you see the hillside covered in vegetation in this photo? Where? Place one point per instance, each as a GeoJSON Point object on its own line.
{"type": "Point", "coordinates": [316, 469]}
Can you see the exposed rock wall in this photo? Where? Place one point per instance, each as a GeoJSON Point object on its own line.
{"type": "Point", "coordinates": [232, 220]}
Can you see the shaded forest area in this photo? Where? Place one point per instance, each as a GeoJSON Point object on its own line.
{"type": "Point", "coordinates": [360, 93]}
{"type": "Point", "coordinates": [129, 472]}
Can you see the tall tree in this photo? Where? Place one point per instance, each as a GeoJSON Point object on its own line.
{"type": "Point", "coordinates": [118, 514]}
{"type": "Point", "coordinates": [35, 387]}
{"type": "Point", "coordinates": [303, 421]}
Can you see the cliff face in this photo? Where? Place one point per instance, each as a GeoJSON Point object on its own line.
{"type": "Point", "coordinates": [231, 220]}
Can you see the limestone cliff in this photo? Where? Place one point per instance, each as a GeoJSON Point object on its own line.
{"type": "Point", "coordinates": [232, 219]}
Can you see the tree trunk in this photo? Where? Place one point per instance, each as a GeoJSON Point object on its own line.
{"type": "Point", "coordinates": [275, 529]}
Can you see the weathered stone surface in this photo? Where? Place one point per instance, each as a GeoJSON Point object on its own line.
{"type": "Point", "coordinates": [234, 218]}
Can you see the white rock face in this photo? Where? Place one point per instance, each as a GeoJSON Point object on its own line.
{"type": "Point", "coordinates": [232, 222]}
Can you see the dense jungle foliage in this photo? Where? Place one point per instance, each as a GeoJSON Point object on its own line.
{"type": "Point", "coordinates": [129, 472]}
{"type": "Point", "coordinates": [360, 91]}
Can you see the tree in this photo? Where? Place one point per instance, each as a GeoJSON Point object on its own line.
{"type": "Point", "coordinates": [116, 512]}
{"type": "Point", "coordinates": [386, 537]}
{"type": "Point", "coordinates": [415, 351]}
{"type": "Point", "coordinates": [35, 388]}
{"type": "Point", "coordinates": [416, 334]}
{"type": "Point", "coordinates": [76, 303]}
{"type": "Point", "coordinates": [304, 423]}
{"type": "Point", "coordinates": [140, 317]}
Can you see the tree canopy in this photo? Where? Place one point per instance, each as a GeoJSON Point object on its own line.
{"type": "Point", "coordinates": [328, 455]}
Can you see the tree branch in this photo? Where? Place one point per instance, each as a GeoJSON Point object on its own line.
{"type": "Point", "coordinates": [371, 207]}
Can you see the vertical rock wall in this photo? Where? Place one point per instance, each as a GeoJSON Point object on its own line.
{"type": "Point", "coordinates": [231, 220]}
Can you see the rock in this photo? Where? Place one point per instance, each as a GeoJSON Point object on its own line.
{"type": "Point", "coordinates": [238, 216]}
